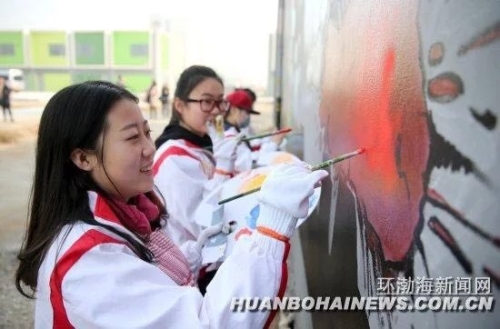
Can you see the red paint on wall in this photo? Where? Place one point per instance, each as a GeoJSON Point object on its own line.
{"type": "Point", "coordinates": [445, 88]}
{"type": "Point", "coordinates": [373, 98]}
{"type": "Point", "coordinates": [380, 158]}
{"type": "Point", "coordinates": [490, 35]}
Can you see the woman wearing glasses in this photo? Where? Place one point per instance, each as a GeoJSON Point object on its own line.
{"type": "Point", "coordinates": [187, 166]}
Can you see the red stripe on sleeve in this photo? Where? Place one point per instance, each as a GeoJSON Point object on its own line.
{"type": "Point", "coordinates": [174, 150]}
{"type": "Point", "coordinates": [86, 242]}
{"type": "Point", "coordinates": [283, 283]}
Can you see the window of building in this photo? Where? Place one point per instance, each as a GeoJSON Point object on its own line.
{"type": "Point", "coordinates": [84, 50]}
{"type": "Point", "coordinates": [139, 50]}
{"type": "Point", "coordinates": [57, 49]}
{"type": "Point", "coordinates": [7, 49]}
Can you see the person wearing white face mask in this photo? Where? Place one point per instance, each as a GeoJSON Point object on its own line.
{"type": "Point", "coordinates": [95, 254]}
{"type": "Point", "coordinates": [240, 108]}
{"type": "Point", "coordinates": [267, 144]}
{"type": "Point", "coordinates": [236, 121]}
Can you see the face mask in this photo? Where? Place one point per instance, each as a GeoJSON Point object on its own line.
{"type": "Point", "coordinates": [245, 123]}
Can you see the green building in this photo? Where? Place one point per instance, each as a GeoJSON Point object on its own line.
{"type": "Point", "coordinates": [52, 60]}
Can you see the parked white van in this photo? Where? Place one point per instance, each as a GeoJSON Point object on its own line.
{"type": "Point", "coordinates": [14, 78]}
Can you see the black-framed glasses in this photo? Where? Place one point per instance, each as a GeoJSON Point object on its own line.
{"type": "Point", "coordinates": [207, 105]}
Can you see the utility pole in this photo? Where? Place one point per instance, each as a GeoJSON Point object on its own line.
{"type": "Point", "coordinates": [156, 51]}
{"type": "Point", "coordinates": [278, 72]}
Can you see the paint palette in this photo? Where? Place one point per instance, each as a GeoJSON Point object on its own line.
{"type": "Point", "coordinates": [243, 211]}
{"type": "Point", "coordinates": [275, 157]}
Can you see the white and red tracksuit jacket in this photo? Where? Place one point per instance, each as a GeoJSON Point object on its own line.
{"type": "Point", "coordinates": [261, 144]}
{"type": "Point", "coordinates": [91, 278]}
{"type": "Point", "coordinates": [244, 154]}
{"type": "Point", "coordinates": [185, 174]}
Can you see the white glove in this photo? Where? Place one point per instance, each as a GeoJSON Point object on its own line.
{"type": "Point", "coordinates": [225, 152]}
{"type": "Point", "coordinates": [192, 251]}
{"type": "Point", "coordinates": [206, 234]}
{"type": "Point", "coordinates": [284, 196]}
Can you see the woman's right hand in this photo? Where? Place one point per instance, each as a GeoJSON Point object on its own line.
{"type": "Point", "coordinates": [225, 152]}
{"type": "Point", "coordinates": [278, 139]}
{"type": "Point", "coordinates": [284, 197]}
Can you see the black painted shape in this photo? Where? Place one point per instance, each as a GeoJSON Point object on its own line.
{"type": "Point", "coordinates": [487, 119]}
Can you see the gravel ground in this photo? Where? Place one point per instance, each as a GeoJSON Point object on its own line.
{"type": "Point", "coordinates": [16, 311]}
{"type": "Point", "coordinates": [16, 162]}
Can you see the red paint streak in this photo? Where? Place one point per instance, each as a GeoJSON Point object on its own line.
{"type": "Point", "coordinates": [372, 97]}
{"type": "Point", "coordinates": [483, 39]}
{"type": "Point", "coordinates": [438, 200]}
{"type": "Point", "coordinates": [241, 232]}
{"type": "Point", "coordinates": [436, 53]}
{"type": "Point", "coordinates": [445, 88]}
{"type": "Point", "coordinates": [432, 193]}
{"type": "Point", "coordinates": [435, 195]}
{"type": "Point", "coordinates": [495, 276]}
{"type": "Point", "coordinates": [381, 158]}
{"type": "Point", "coordinates": [443, 233]}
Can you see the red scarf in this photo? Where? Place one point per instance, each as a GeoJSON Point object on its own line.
{"type": "Point", "coordinates": [138, 216]}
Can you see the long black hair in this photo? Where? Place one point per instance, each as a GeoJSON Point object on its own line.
{"type": "Point", "coordinates": [75, 117]}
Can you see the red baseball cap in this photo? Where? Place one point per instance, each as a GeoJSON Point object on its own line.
{"type": "Point", "coordinates": [240, 99]}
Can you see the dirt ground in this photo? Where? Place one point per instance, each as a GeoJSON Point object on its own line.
{"type": "Point", "coordinates": [17, 144]}
{"type": "Point", "coordinates": [16, 163]}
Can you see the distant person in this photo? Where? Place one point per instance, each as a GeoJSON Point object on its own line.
{"type": "Point", "coordinates": [246, 125]}
{"type": "Point", "coordinates": [151, 95]}
{"type": "Point", "coordinates": [236, 121]}
{"type": "Point", "coordinates": [120, 82]}
{"type": "Point", "coordinates": [5, 91]}
{"type": "Point", "coordinates": [164, 98]}
{"type": "Point", "coordinates": [240, 109]}
{"type": "Point", "coordinates": [265, 144]}
{"type": "Point", "coordinates": [95, 254]}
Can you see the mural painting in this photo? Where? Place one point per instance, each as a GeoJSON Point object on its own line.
{"type": "Point", "coordinates": [416, 84]}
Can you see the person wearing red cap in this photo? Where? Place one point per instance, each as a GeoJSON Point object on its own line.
{"type": "Point", "coordinates": [236, 121]}
{"type": "Point", "coordinates": [240, 108]}
{"type": "Point", "coordinates": [263, 145]}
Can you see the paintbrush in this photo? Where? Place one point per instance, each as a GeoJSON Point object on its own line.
{"type": "Point", "coordinates": [246, 139]}
{"type": "Point", "coordinates": [343, 157]}
{"type": "Point", "coordinates": [322, 165]}
{"type": "Point", "coordinates": [281, 131]}
{"type": "Point", "coordinates": [219, 125]}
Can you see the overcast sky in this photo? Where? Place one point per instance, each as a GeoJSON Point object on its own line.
{"type": "Point", "coordinates": [232, 36]}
